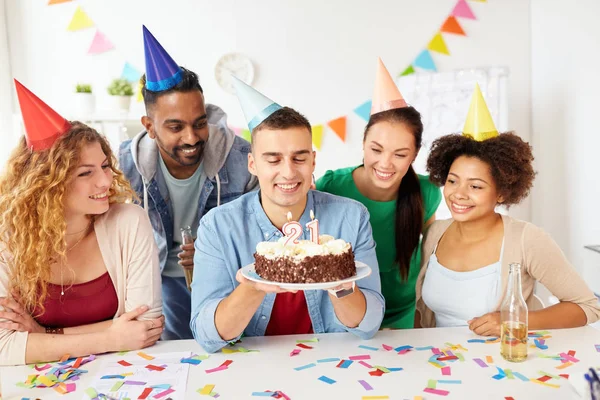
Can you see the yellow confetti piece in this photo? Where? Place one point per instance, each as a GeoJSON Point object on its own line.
{"type": "Point", "coordinates": [545, 384]}
{"type": "Point", "coordinates": [47, 382]}
{"type": "Point", "coordinates": [375, 397]}
{"type": "Point", "coordinates": [206, 390]}
{"type": "Point", "coordinates": [61, 388]}
{"type": "Point", "coordinates": [229, 351]}
{"type": "Point", "coordinates": [489, 359]}
{"type": "Point", "coordinates": [462, 348]}
{"type": "Point", "coordinates": [145, 356]}
{"type": "Point", "coordinates": [418, 398]}
{"type": "Point", "coordinates": [565, 365]}
{"type": "Point", "coordinates": [436, 365]}
{"type": "Point", "coordinates": [494, 341]}
{"type": "Point", "coordinates": [126, 374]}
{"type": "Point", "coordinates": [313, 340]}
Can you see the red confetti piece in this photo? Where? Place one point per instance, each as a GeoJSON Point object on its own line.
{"type": "Point", "coordinates": [304, 346]}
{"type": "Point", "coordinates": [566, 376]}
{"type": "Point", "coordinates": [124, 363]}
{"type": "Point", "coordinates": [377, 372]}
{"type": "Point", "coordinates": [447, 358]}
{"type": "Point", "coordinates": [544, 378]}
{"type": "Point", "coordinates": [145, 394]}
{"type": "Point", "coordinates": [226, 363]}
{"type": "Point", "coordinates": [154, 367]}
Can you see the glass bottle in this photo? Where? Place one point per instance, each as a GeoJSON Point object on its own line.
{"type": "Point", "coordinates": [514, 318]}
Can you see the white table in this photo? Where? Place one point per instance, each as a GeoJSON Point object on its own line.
{"type": "Point", "coordinates": [273, 368]}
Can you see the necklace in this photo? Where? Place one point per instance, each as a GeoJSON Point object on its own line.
{"type": "Point", "coordinates": [62, 289]}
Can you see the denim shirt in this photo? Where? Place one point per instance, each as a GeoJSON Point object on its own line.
{"type": "Point", "coordinates": [227, 239]}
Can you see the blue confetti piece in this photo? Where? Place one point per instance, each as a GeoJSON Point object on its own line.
{"type": "Point", "coordinates": [492, 339]}
{"type": "Point", "coordinates": [305, 366]}
{"type": "Point", "coordinates": [450, 382]}
{"type": "Point", "coordinates": [395, 369]}
{"type": "Point", "coordinates": [326, 380]}
{"type": "Point", "coordinates": [501, 371]}
{"type": "Point", "coordinates": [521, 377]}
{"type": "Point", "coordinates": [190, 361]}
{"type": "Point", "coordinates": [263, 394]}
{"type": "Point", "coordinates": [362, 346]}
{"type": "Point", "coordinates": [539, 345]}
{"type": "Point", "coordinates": [423, 348]}
{"type": "Point", "coordinates": [398, 349]}
{"type": "Point", "coordinates": [113, 377]}
{"type": "Point", "coordinates": [346, 363]}
{"type": "Point", "coordinates": [498, 377]}
{"type": "Point", "coordinates": [326, 360]}
{"type": "Point", "coordinates": [476, 341]}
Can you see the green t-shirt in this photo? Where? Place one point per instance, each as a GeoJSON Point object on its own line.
{"type": "Point", "coordinates": [399, 295]}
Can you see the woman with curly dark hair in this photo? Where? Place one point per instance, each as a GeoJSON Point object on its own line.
{"type": "Point", "coordinates": [401, 203]}
{"type": "Point", "coordinates": [465, 259]}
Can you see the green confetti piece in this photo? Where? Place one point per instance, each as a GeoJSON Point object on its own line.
{"type": "Point", "coordinates": [460, 357]}
{"type": "Point", "coordinates": [448, 344]}
{"type": "Point", "coordinates": [121, 353]}
{"type": "Point", "coordinates": [383, 369]}
{"type": "Point", "coordinates": [431, 384]}
{"type": "Point", "coordinates": [117, 386]}
{"type": "Point", "coordinates": [201, 357]}
{"type": "Point", "coordinates": [509, 374]}
{"type": "Point", "coordinates": [91, 392]}
{"type": "Point", "coordinates": [313, 340]}
{"type": "Point", "coordinates": [550, 375]}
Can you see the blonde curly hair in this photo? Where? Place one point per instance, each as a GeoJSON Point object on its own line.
{"type": "Point", "coordinates": [32, 223]}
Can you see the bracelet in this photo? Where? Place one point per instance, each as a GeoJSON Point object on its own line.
{"type": "Point", "coordinates": [53, 331]}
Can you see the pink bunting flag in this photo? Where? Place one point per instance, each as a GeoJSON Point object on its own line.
{"type": "Point", "coordinates": [100, 44]}
{"type": "Point", "coordinates": [462, 10]}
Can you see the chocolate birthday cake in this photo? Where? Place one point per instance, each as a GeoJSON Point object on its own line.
{"type": "Point", "coordinates": [306, 262]}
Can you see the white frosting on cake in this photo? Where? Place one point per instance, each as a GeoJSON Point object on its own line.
{"type": "Point", "coordinates": [305, 248]}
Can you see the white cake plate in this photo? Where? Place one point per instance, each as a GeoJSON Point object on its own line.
{"type": "Point", "coordinates": [362, 271]}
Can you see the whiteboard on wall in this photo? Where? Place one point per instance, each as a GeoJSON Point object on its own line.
{"type": "Point", "coordinates": [443, 99]}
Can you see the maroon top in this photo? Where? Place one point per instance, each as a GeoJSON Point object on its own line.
{"type": "Point", "coordinates": [82, 304]}
{"type": "Point", "coordinates": [289, 315]}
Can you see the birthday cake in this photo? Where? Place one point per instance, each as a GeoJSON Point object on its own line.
{"type": "Point", "coordinates": [304, 261]}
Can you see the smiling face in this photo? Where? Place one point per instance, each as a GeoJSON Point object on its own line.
{"type": "Point", "coordinates": [470, 190]}
{"type": "Point", "coordinates": [87, 192]}
{"type": "Point", "coordinates": [178, 123]}
{"type": "Point", "coordinates": [389, 149]}
{"type": "Point", "coordinates": [283, 161]}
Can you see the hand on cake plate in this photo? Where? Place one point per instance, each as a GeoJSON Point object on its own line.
{"type": "Point", "coordinates": [261, 286]}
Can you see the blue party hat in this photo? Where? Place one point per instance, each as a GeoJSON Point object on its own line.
{"type": "Point", "coordinates": [256, 106]}
{"type": "Point", "coordinates": [162, 72]}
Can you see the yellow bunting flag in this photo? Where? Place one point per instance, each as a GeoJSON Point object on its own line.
{"type": "Point", "coordinates": [140, 96]}
{"type": "Point", "coordinates": [338, 125]}
{"type": "Point", "coordinates": [317, 136]}
{"type": "Point", "coordinates": [80, 21]}
{"type": "Point", "coordinates": [52, 2]}
{"type": "Point", "coordinates": [437, 44]}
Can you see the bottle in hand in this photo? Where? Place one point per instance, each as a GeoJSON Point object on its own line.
{"type": "Point", "coordinates": [186, 237]}
{"type": "Point", "coordinates": [514, 318]}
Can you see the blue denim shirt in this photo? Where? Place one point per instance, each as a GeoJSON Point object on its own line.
{"type": "Point", "coordinates": [227, 239]}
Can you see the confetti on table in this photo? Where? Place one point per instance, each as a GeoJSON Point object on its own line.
{"type": "Point", "coordinates": [395, 369]}
{"type": "Point", "coordinates": [389, 348]}
{"type": "Point", "coordinates": [476, 341]}
{"type": "Point", "coordinates": [295, 352]}
{"type": "Point", "coordinates": [566, 376]}
{"type": "Point", "coordinates": [145, 394]}
{"type": "Point", "coordinates": [435, 350]}
{"type": "Point", "coordinates": [402, 348]}
{"type": "Point", "coordinates": [113, 377]}
{"type": "Point", "coordinates": [565, 365]}
{"type": "Point", "coordinates": [117, 386]}
{"type": "Point", "coordinates": [544, 378]}
{"type": "Point", "coordinates": [164, 393]}
{"type": "Point", "coordinates": [382, 369]}
{"type": "Point", "coordinates": [423, 348]}
{"type": "Point", "coordinates": [446, 371]}
{"type": "Point", "coordinates": [326, 360]}
{"type": "Point", "coordinates": [377, 372]}
{"type": "Point", "coordinates": [375, 397]}
{"type": "Point", "coordinates": [263, 394]}
{"type": "Point", "coordinates": [550, 375]}
{"type": "Point", "coordinates": [217, 369]}
{"type": "Point", "coordinates": [489, 359]}
{"type": "Point", "coordinates": [135, 383]}
{"type": "Point", "coordinates": [145, 356]}
{"type": "Point", "coordinates": [305, 366]}
{"type": "Point", "coordinates": [366, 364]}
{"type": "Point", "coordinates": [91, 392]}
{"type": "Point", "coordinates": [449, 382]}
{"type": "Point", "coordinates": [431, 384]}
{"type": "Point", "coordinates": [154, 367]}
{"type": "Point", "coordinates": [521, 377]}
{"type": "Point", "coordinates": [365, 385]}
{"type": "Point", "coordinates": [64, 358]}
{"type": "Point", "coordinates": [540, 345]}
{"type": "Point", "coordinates": [492, 340]}
{"type": "Point", "coordinates": [304, 346]}
{"type": "Point", "coordinates": [417, 398]}
{"type": "Point", "coordinates": [345, 364]}
{"type": "Point", "coordinates": [313, 340]}
{"type": "Point", "coordinates": [42, 368]}
{"type": "Point", "coordinates": [461, 358]}
{"type": "Point", "coordinates": [545, 384]}
{"type": "Point", "coordinates": [124, 363]}
{"type": "Point", "coordinates": [78, 362]}
{"type": "Point", "coordinates": [362, 346]}
{"type": "Point", "coordinates": [509, 374]}
{"type": "Point", "coordinates": [480, 362]}
{"type": "Point", "coordinates": [597, 347]}
{"type": "Point", "coordinates": [509, 398]}
{"type": "Point", "coordinates": [436, 364]}
{"type": "Point", "coordinates": [360, 357]}
{"type": "Point", "coordinates": [325, 379]}
{"type": "Point", "coordinates": [207, 389]}
{"type": "Point", "coordinates": [436, 391]}
{"type": "Point", "coordinates": [569, 357]}
{"type": "Point", "coordinates": [192, 361]}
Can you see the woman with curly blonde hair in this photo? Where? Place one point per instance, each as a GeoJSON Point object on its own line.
{"type": "Point", "coordinates": [79, 266]}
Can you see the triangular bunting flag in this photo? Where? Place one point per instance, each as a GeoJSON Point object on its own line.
{"type": "Point", "coordinates": [364, 110]}
{"type": "Point", "coordinates": [130, 73]}
{"type": "Point", "coordinates": [100, 44]}
{"type": "Point", "coordinates": [480, 1]}
{"type": "Point", "coordinates": [451, 25]}
{"type": "Point", "coordinates": [425, 61]}
{"type": "Point", "coordinates": [140, 96]}
{"type": "Point", "coordinates": [408, 71]}
{"type": "Point", "coordinates": [462, 10]}
{"type": "Point", "coordinates": [338, 125]}
{"type": "Point", "coordinates": [52, 2]}
{"type": "Point", "coordinates": [246, 135]}
{"type": "Point", "coordinates": [437, 44]}
{"type": "Point", "coordinates": [80, 21]}
{"type": "Point", "coordinates": [317, 136]}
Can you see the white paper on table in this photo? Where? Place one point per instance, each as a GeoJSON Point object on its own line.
{"type": "Point", "coordinates": [174, 374]}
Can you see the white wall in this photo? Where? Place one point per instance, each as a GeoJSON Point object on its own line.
{"type": "Point", "coordinates": [566, 131]}
{"type": "Point", "coordinates": [317, 56]}
{"type": "Point", "coordinates": [6, 97]}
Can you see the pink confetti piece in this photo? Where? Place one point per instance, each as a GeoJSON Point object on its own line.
{"type": "Point", "coordinates": [386, 347]}
{"type": "Point", "coordinates": [435, 350]}
{"type": "Point", "coordinates": [436, 391]}
{"type": "Point", "coordinates": [401, 352]}
{"type": "Point", "coordinates": [567, 357]}
{"type": "Point", "coordinates": [365, 364]}
{"type": "Point", "coordinates": [360, 357]}
{"type": "Point", "coordinates": [295, 352]}
{"type": "Point", "coordinates": [163, 394]}
{"type": "Point", "coordinates": [221, 368]}
{"type": "Point", "coordinates": [446, 371]}
{"type": "Point", "coordinates": [365, 384]}
{"type": "Point", "coordinates": [42, 368]}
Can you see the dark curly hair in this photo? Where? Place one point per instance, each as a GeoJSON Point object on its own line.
{"type": "Point", "coordinates": [509, 157]}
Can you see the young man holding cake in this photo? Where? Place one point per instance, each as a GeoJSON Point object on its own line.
{"type": "Point", "coordinates": [224, 304]}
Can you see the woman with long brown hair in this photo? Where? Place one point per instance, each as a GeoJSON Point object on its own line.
{"type": "Point", "coordinates": [79, 266]}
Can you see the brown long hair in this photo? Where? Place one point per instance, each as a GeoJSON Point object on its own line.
{"type": "Point", "coordinates": [409, 201]}
{"type": "Point", "coordinates": [32, 223]}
